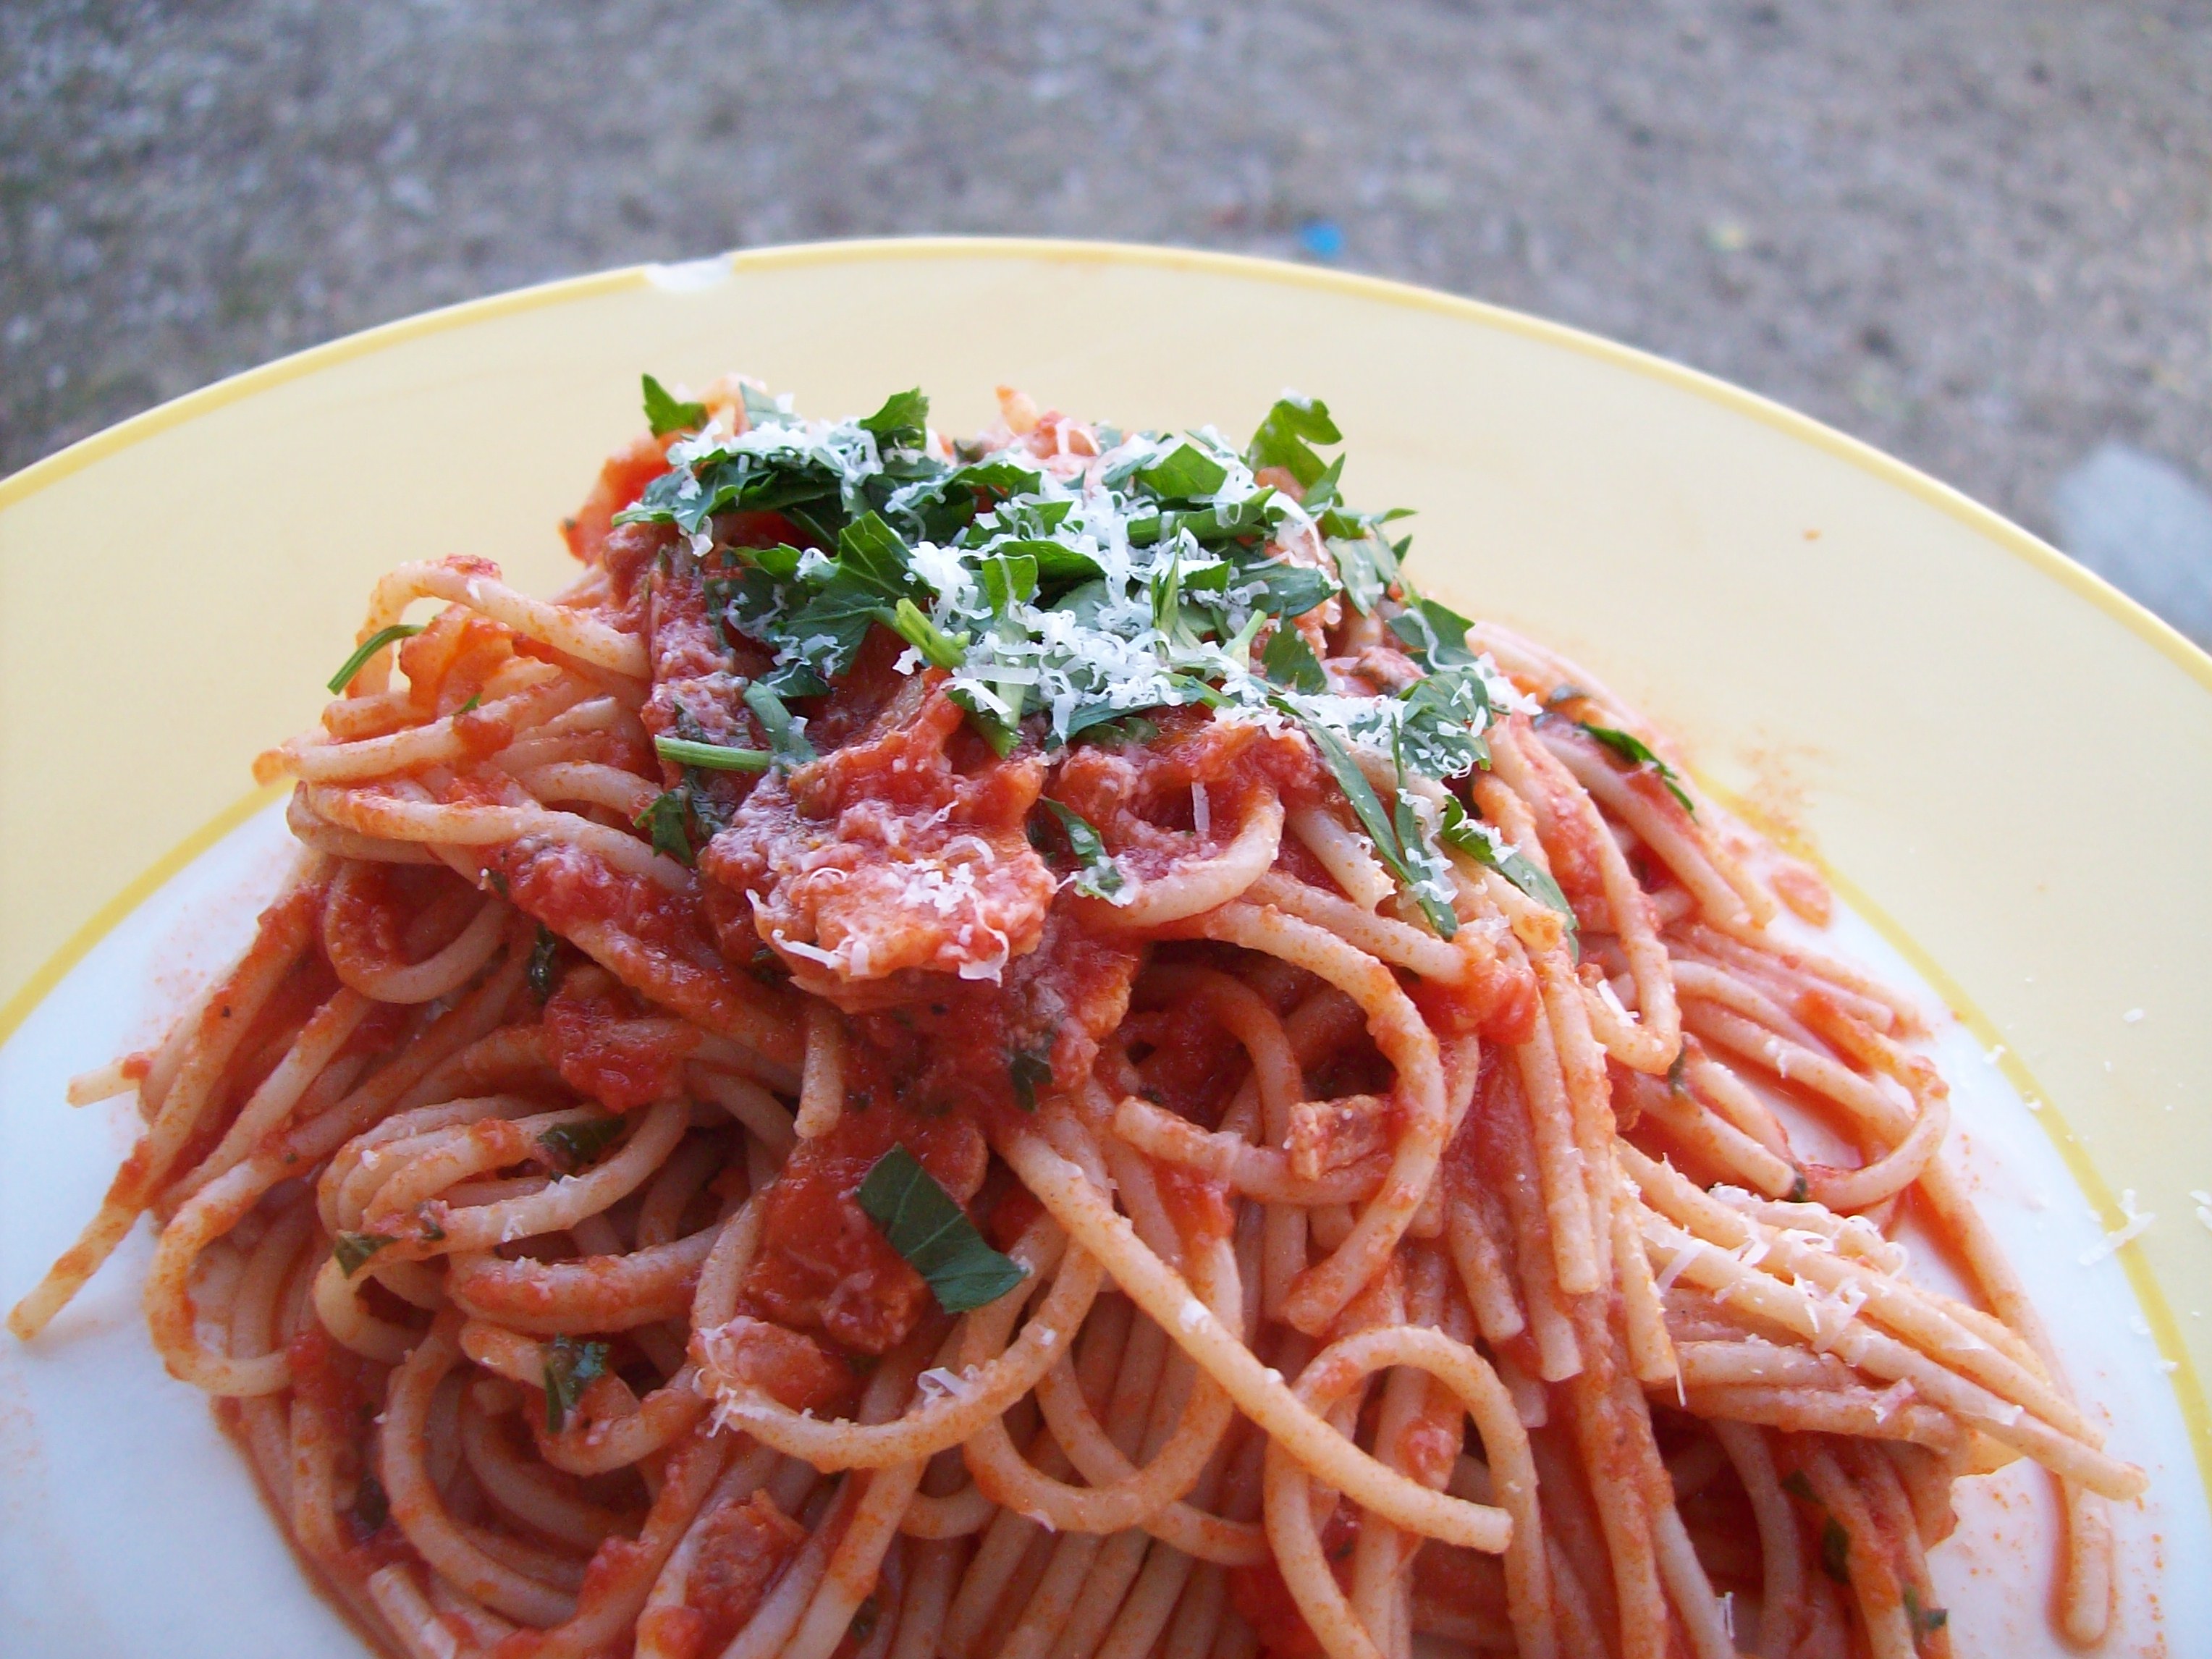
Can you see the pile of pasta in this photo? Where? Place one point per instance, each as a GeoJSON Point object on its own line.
{"type": "Point", "coordinates": [1345, 1321]}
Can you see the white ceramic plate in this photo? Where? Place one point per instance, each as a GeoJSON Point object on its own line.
{"type": "Point", "coordinates": [2015, 761]}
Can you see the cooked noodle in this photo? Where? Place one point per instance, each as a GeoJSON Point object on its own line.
{"type": "Point", "coordinates": [1406, 1264]}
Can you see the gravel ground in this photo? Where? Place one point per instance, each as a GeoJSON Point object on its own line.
{"type": "Point", "coordinates": [1978, 235]}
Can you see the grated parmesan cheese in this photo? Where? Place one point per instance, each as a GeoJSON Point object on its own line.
{"type": "Point", "coordinates": [2136, 1226]}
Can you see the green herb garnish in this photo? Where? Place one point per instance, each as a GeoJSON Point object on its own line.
{"type": "Point", "coordinates": [663, 822]}
{"type": "Point", "coordinates": [1836, 1551]}
{"type": "Point", "coordinates": [1058, 607]}
{"type": "Point", "coordinates": [580, 1142]}
{"type": "Point", "coordinates": [1029, 1070]}
{"type": "Point", "coordinates": [711, 757]}
{"type": "Point", "coordinates": [665, 414]}
{"type": "Point", "coordinates": [1102, 878]}
{"type": "Point", "coordinates": [539, 974]}
{"type": "Point", "coordinates": [1633, 750]}
{"type": "Point", "coordinates": [933, 1233]}
{"type": "Point", "coordinates": [350, 1250]}
{"type": "Point", "coordinates": [368, 648]}
{"type": "Point", "coordinates": [571, 1367]}
{"type": "Point", "coordinates": [787, 738]}
{"type": "Point", "coordinates": [1925, 1621]}
{"type": "Point", "coordinates": [1471, 838]}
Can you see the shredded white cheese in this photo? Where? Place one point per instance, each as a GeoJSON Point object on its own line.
{"type": "Point", "coordinates": [2136, 1225]}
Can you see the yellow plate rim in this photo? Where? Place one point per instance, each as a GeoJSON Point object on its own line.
{"type": "Point", "coordinates": [2190, 1395]}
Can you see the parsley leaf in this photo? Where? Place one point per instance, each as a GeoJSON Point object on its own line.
{"type": "Point", "coordinates": [1101, 877]}
{"type": "Point", "coordinates": [1473, 838]}
{"type": "Point", "coordinates": [712, 757]}
{"type": "Point", "coordinates": [1434, 636]}
{"type": "Point", "coordinates": [1183, 473]}
{"type": "Point", "coordinates": [368, 648]}
{"type": "Point", "coordinates": [580, 1143]}
{"type": "Point", "coordinates": [352, 1249]}
{"type": "Point", "coordinates": [933, 1233]}
{"type": "Point", "coordinates": [1285, 437]}
{"type": "Point", "coordinates": [1383, 829]}
{"type": "Point", "coordinates": [903, 423]}
{"type": "Point", "coordinates": [571, 1367]}
{"type": "Point", "coordinates": [787, 733]}
{"type": "Point", "coordinates": [665, 414]}
{"type": "Point", "coordinates": [542, 954]}
{"type": "Point", "coordinates": [939, 649]}
{"type": "Point", "coordinates": [1289, 661]}
{"type": "Point", "coordinates": [1836, 1551]}
{"type": "Point", "coordinates": [663, 821]}
{"type": "Point", "coordinates": [1028, 1069]}
{"type": "Point", "coordinates": [1633, 750]}
{"type": "Point", "coordinates": [1925, 1621]}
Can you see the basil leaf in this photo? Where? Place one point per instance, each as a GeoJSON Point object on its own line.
{"type": "Point", "coordinates": [542, 953]}
{"type": "Point", "coordinates": [663, 822]}
{"type": "Point", "coordinates": [712, 757]}
{"type": "Point", "coordinates": [1285, 435]}
{"type": "Point", "coordinates": [350, 1250]}
{"type": "Point", "coordinates": [1434, 636]}
{"type": "Point", "coordinates": [1467, 835]}
{"type": "Point", "coordinates": [787, 735]}
{"type": "Point", "coordinates": [1633, 750]}
{"type": "Point", "coordinates": [664, 414]}
{"type": "Point", "coordinates": [923, 1223]}
{"type": "Point", "coordinates": [903, 423]}
{"type": "Point", "coordinates": [1289, 661]}
{"type": "Point", "coordinates": [1028, 1069]}
{"type": "Point", "coordinates": [1182, 473]}
{"type": "Point", "coordinates": [1101, 877]}
{"type": "Point", "coordinates": [571, 1367]}
{"type": "Point", "coordinates": [1798, 1486]}
{"type": "Point", "coordinates": [368, 648]}
{"type": "Point", "coordinates": [580, 1142]}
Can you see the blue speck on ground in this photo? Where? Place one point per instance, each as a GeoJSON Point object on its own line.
{"type": "Point", "coordinates": [1322, 237]}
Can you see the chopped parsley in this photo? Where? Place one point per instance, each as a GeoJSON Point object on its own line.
{"type": "Point", "coordinates": [1926, 1621]}
{"type": "Point", "coordinates": [711, 757]}
{"type": "Point", "coordinates": [571, 1367]}
{"type": "Point", "coordinates": [924, 1224]}
{"type": "Point", "coordinates": [539, 974]}
{"type": "Point", "coordinates": [665, 414]}
{"type": "Point", "coordinates": [1835, 1551]}
{"type": "Point", "coordinates": [368, 648]}
{"type": "Point", "coordinates": [352, 1250]}
{"type": "Point", "coordinates": [663, 823]}
{"type": "Point", "coordinates": [786, 733]}
{"type": "Point", "coordinates": [1101, 877]}
{"type": "Point", "coordinates": [1633, 750]}
{"type": "Point", "coordinates": [580, 1143]}
{"type": "Point", "coordinates": [1484, 845]}
{"type": "Point", "coordinates": [1057, 607]}
{"type": "Point", "coordinates": [1029, 1069]}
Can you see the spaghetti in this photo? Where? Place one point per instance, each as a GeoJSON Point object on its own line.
{"type": "Point", "coordinates": [969, 1049]}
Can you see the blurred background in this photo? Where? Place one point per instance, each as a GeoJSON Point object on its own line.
{"type": "Point", "coordinates": [1977, 233]}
